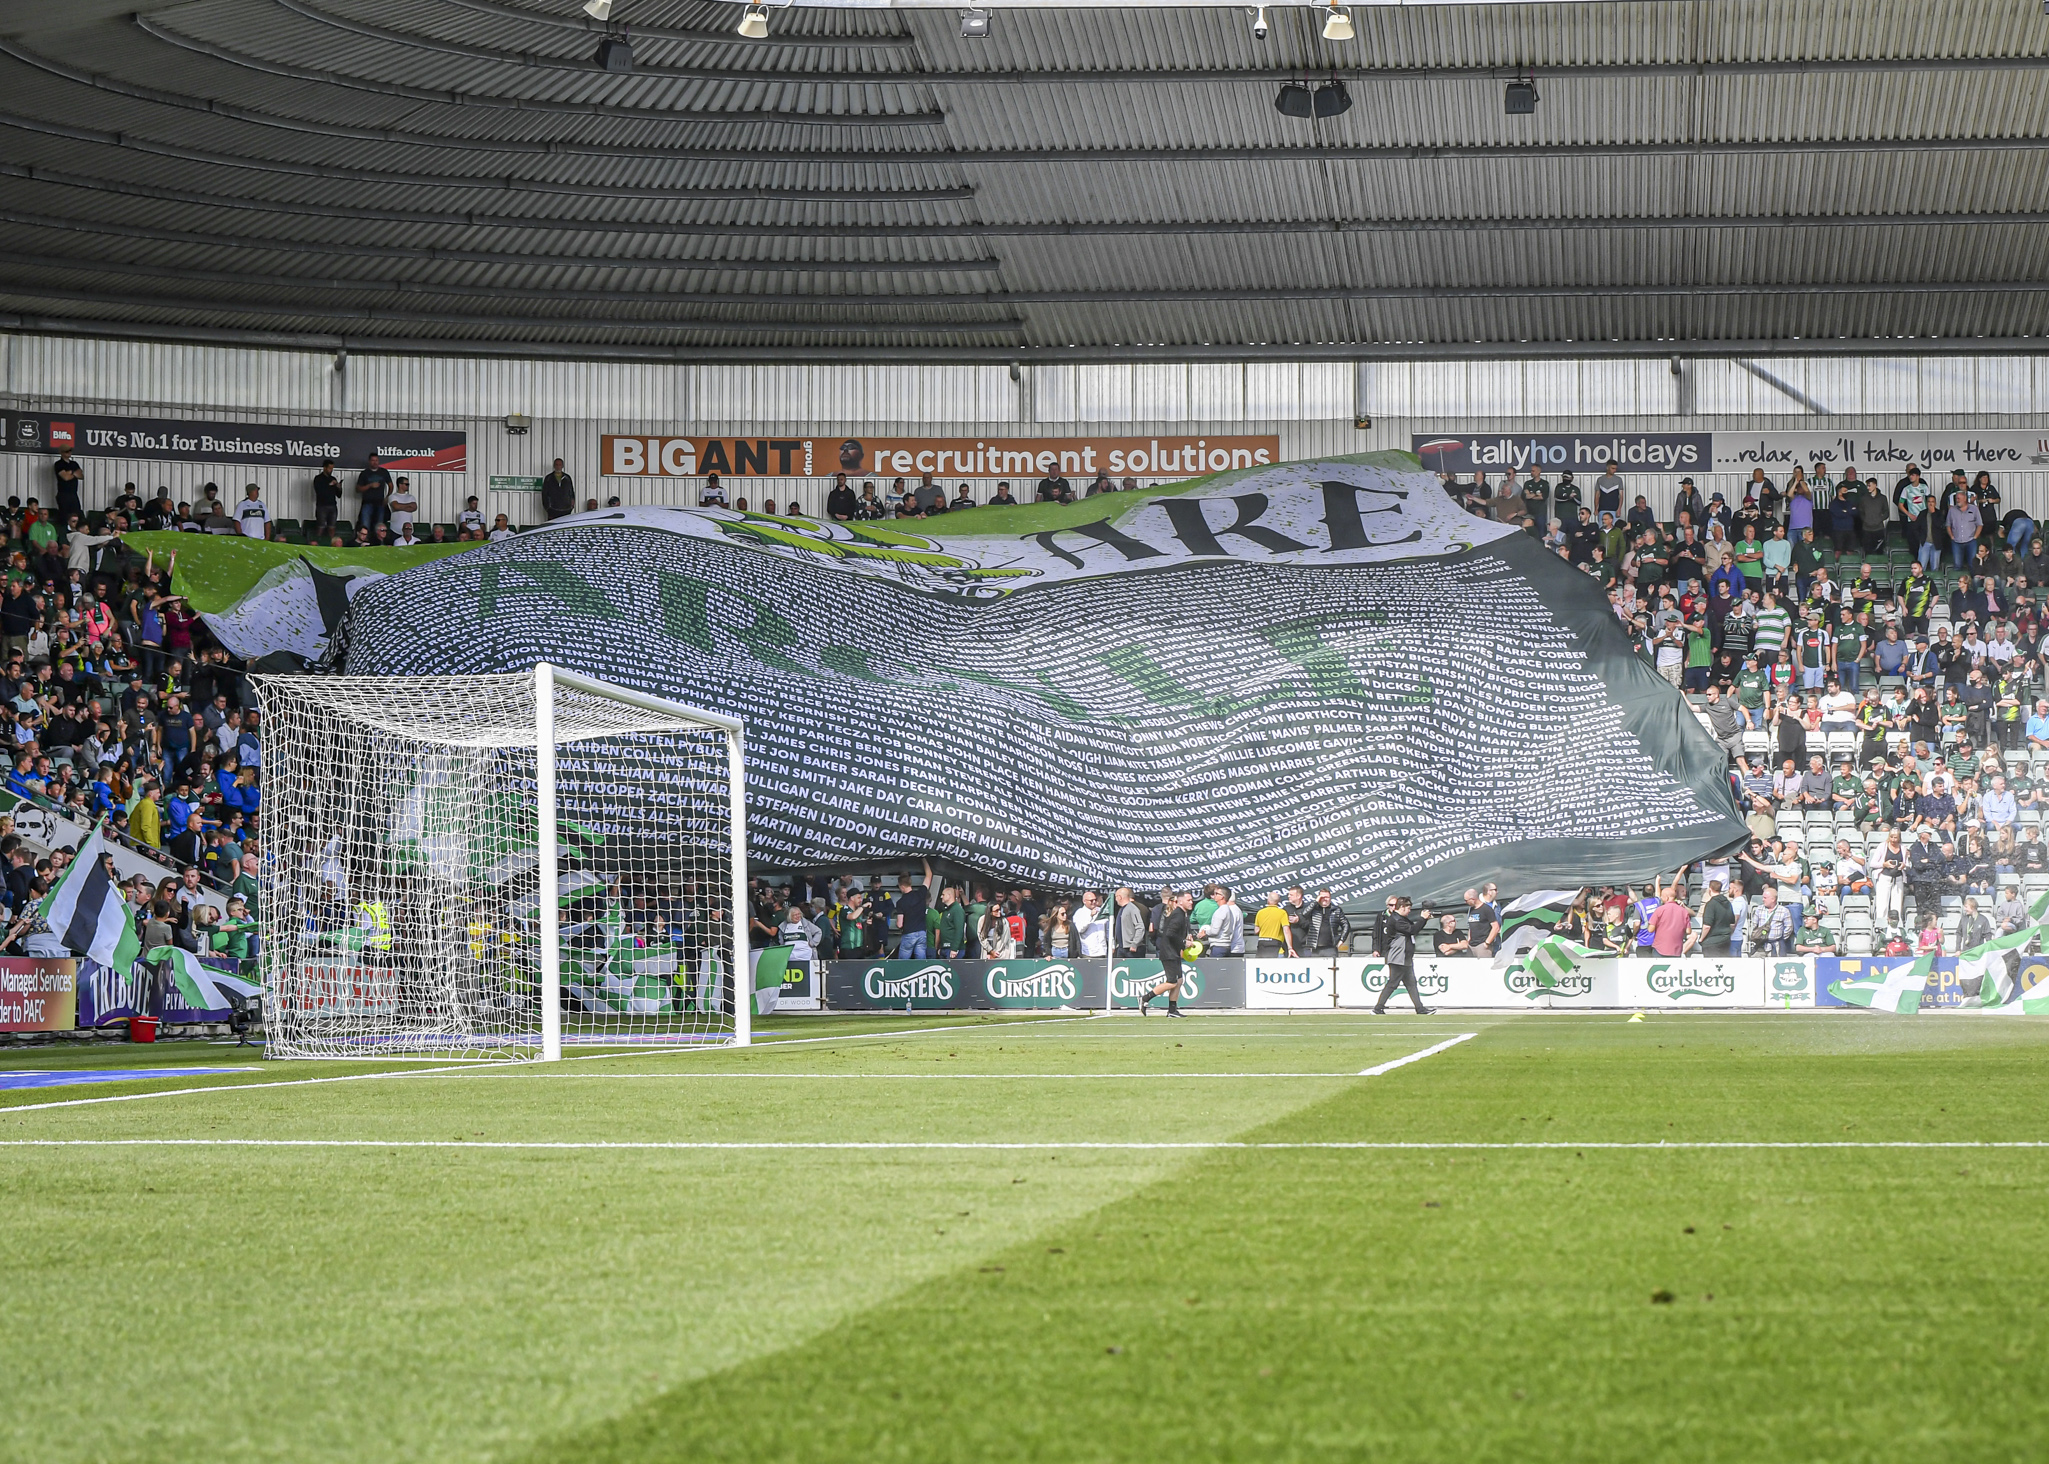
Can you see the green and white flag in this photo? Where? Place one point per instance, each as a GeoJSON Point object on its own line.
{"type": "Point", "coordinates": [771, 965]}
{"type": "Point", "coordinates": [1527, 921]}
{"type": "Point", "coordinates": [1553, 958]}
{"type": "Point", "coordinates": [2035, 1001]}
{"type": "Point", "coordinates": [1898, 990]}
{"type": "Point", "coordinates": [200, 986]}
{"type": "Point", "coordinates": [1987, 962]}
{"type": "Point", "coordinates": [88, 912]}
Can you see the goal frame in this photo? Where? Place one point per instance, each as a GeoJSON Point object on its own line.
{"type": "Point", "coordinates": [547, 678]}
{"type": "Point", "coordinates": [545, 1045]}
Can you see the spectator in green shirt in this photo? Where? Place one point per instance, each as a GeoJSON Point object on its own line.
{"type": "Point", "coordinates": [1814, 938]}
{"type": "Point", "coordinates": [233, 935]}
{"type": "Point", "coordinates": [952, 916]}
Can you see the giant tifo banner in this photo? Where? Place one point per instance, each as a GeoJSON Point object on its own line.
{"type": "Point", "coordinates": [1019, 458]}
{"type": "Point", "coordinates": [196, 440]}
{"type": "Point", "coordinates": [1321, 673]}
{"type": "Point", "coordinates": [1872, 453]}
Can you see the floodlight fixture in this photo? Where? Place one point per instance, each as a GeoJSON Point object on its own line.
{"type": "Point", "coordinates": [754, 24]}
{"type": "Point", "coordinates": [1339, 26]}
{"type": "Point", "coordinates": [974, 25]}
{"type": "Point", "coordinates": [598, 9]}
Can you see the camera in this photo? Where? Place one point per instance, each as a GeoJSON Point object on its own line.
{"type": "Point", "coordinates": [1259, 23]}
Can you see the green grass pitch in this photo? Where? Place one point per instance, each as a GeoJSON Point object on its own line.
{"type": "Point", "coordinates": [1076, 1239]}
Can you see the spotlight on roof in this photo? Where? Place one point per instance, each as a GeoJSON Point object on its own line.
{"type": "Point", "coordinates": [1521, 98]}
{"type": "Point", "coordinates": [598, 9]}
{"type": "Point", "coordinates": [754, 24]}
{"type": "Point", "coordinates": [615, 54]}
{"type": "Point", "coordinates": [1339, 26]}
{"type": "Point", "coordinates": [974, 25]}
{"type": "Point", "coordinates": [1328, 100]}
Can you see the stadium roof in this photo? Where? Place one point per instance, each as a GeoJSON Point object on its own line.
{"type": "Point", "coordinates": [1093, 182]}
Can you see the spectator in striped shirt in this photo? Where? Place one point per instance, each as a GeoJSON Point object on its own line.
{"type": "Point", "coordinates": [1773, 622]}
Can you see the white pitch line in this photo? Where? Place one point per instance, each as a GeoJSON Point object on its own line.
{"type": "Point", "coordinates": [856, 1145]}
{"type": "Point", "coordinates": [483, 1065]}
{"type": "Point", "coordinates": [7, 1108]}
{"type": "Point", "coordinates": [1388, 1067]}
{"type": "Point", "coordinates": [943, 1077]}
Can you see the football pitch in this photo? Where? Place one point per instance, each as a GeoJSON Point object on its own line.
{"type": "Point", "coordinates": [1256, 1237]}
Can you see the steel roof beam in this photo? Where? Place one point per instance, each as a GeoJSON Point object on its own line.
{"type": "Point", "coordinates": [983, 300]}
{"type": "Point", "coordinates": [428, 254]}
{"type": "Point", "coordinates": [693, 354]}
{"type": "Point", "coordinates": [213, 107]}
{"type": "Point", "coordinates": [416, 40]}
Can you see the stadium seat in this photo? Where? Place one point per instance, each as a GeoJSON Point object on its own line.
{"type": "Point", "coordinates": [1857, 943]}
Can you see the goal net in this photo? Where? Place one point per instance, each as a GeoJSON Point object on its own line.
{"type": "Point", "coordinates": [496, 866]}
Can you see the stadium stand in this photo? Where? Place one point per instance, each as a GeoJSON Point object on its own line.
{"type": "Point", "coordinates": [1879, 689]}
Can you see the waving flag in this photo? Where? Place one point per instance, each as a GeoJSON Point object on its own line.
{"type": "Point", "coordinates": [1528, 921]}
{"type": "Point", "coordinates": [200, 986]}
{"type": "Point", "coordinates": [1553, 958]}
{"type": "Point", "coordinates": [1987, 961]}
{"type": "Point", "coordinates": [1898, 990]}
{"type": "Point", "coordinates": [88, 912]}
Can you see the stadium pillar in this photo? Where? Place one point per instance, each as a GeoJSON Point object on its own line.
{"type": "Point", "coordinates": [549, 892]}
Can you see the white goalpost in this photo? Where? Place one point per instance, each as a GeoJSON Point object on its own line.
{"type": "Point", "coordinates": [497, 866]}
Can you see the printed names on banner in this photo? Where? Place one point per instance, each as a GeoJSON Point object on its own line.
{"type": "Point", "coordinates": [883, 719]}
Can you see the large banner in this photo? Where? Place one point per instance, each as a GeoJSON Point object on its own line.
{"type": "Point", "coordinates": [1023, 460]}
{"type": "Point", "coordinates": [199, 440]}
{"type": "Point", "coordinates": [1883, 454]}
{"type": "Point", "coordinates": [1322, 673]}
{"type": "Point", "coordinates": [38, 995]}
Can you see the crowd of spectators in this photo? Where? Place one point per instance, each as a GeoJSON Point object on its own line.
{"type": "Point", "coordinates": [1871, 662]}
{"type": "Point", "coordinates": [123, 710]}
{"type": "Point", "coordinates": [912, 917]}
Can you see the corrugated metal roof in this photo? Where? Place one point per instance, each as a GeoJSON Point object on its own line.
{"type": "Point", "coordinates": [457, 172]}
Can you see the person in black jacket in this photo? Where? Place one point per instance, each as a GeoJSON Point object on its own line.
{"type": "Point", "coordinates": [1172, 936]}
{"type": "Point", "coordinates": [558, 492]}
{"type": "Point", "coordinates": [1324, 928]}
{"type": "Point", "coordinates": [1403, 926]}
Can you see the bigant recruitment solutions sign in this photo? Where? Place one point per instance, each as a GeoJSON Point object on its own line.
{"type": "Point", "coordinates": [198, 440]}
{"type": "Point", "coordinates": [1015, 458]}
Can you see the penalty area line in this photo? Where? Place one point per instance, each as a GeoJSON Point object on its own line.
{"type": "Point", "coordinates": [1431, 1051]}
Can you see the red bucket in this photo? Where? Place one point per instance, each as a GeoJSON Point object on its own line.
{"type": "Point", "coordinates": [142, 1029]}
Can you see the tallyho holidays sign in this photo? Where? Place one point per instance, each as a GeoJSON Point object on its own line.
{"type": "Point", "coordinates": [1881, 453]}
{"type": "Point", "coordinates": [1020, 459]}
